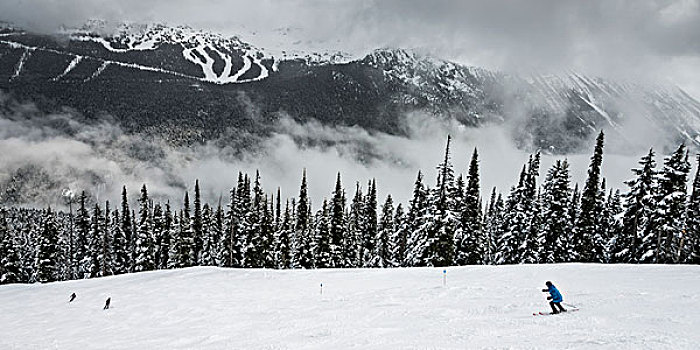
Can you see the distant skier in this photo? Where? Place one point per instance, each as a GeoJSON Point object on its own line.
{"type": "Point", "coordinates": [72, 297]}
{"type": "Point", "coordinates": [555, 298]}
{"type": "Point", "coordinates": [107, 303]}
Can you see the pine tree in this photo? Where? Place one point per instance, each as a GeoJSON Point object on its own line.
{"type": "Point", "coordinates": [692, 232]}
{"type": "Point", "coordinates": [470, 249]}
{"type": "Point", "coordinates": [356, 220]}
{"type": "Point", "coordinates": [529, 250]}
{"type": "Point", "coordinates": [166, 237]}
{"type": "Point", "coordinates": [573, 237]}
{"type": "Point", "coordinates": [668, 220]}
{"type": "Point", "coordinates": [382, 247]}
{"type": "Point", "coordinates": [399, 239]}
{"type": "Point", "coordinates": [588, 224]}
{"type": "Point", "coordinates": [119, 245]}
{"type": "Point", "coordinates": [338, 225]}
{"type": "Point", "coordinates": [82, 234]}
{"type": "Point", "coordinates": [417, 206]}
{"type": "Point", "coordinates": [284, 240]}
{"type": "Point", "coordinates": [438, 222]}
{"type": "Point", "coordinates": [158, 234]}
{"type": "Point", "coordinates": [144, 245]}
{"type": "Point", "coordinates": [197, 230]}
{"type": "Point", "coordinates": [95, 256]}
{"type": "Point", "coordinates": [495, 220]}
{"type": "Point", "coordinates": [639, 205]}
{"type": "Point", "coordinates": [302, 229]}
{"type": "Point", "coordinates": [512, 242]}
{"type": "Point", "coordinates": [322, 241]}
{"type": "Point", "coordinates": [10, 264]}
{"type": "Point", "coordinates": [370, 225]}
{"type": "Point", "coordinates": [612, 226]}
{"type": "Point", "coordinates": [230, 252]}
{"type": "Point", "coordinates": [127, 229]}
{"type": "Point", "coordinates": [207, 256]}
{"type": "Point", "coordinates": [555, 212]}
{"type": "Point", "coordinates": [182, 251]}
{"type": "Point", "coordinates": [46, 263]}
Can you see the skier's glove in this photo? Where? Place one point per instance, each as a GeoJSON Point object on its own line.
{"type": "Point", "coordinates": [545, 290]}
{"type": "Point", "coordinates": [549, 298]}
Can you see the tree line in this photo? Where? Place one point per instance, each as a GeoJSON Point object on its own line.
{"type": "Point", "coordinates": [655, 221]}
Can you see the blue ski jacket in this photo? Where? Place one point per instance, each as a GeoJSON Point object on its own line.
{"type": "Point", "coordinates": [556, 296]}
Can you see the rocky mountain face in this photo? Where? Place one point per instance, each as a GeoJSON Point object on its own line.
{"type": "Point", "coordinates": [190, 86]}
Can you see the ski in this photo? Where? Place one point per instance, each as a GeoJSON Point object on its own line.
{"type": "Point", "coordinates": [540, 313]}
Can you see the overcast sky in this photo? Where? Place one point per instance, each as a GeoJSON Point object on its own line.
{"type": "Point", "coordinates": [658, 40]}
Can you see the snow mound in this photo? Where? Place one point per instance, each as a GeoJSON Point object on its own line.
{"type": "Point", "coordinates": [621, 307]}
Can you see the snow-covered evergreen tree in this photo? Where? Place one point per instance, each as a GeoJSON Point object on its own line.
{"type": "Point", "coordinates": [144, 244]}
{"type": "Point", "coordinates": [10, 264]}
{"type": "Point", "coordinates": [691, 244]}
{"type": "Point", "coordinates": [197, 229]}
{"type": "Point", "coordinates": [322, 241]}
{"type": "Point", "coordinates": [668, 218]}
{"type": "Point", "coordinates": [399, 238]}
{"type": "Point", "coordinates": [438, 222]}
{"type": "Point", "coordinates": [382, 243]}
{"type": "Point", "coordinates": [46, 262]}
{"type": "Point", "coordinates": [338, 225]}
{"type": "Point", "coordinates": [494, 225]}
{"type": "Point", "coordinates": [284, 240]}
{"type": "Point", "coordinates": [82, 234]}
{"type": "Point", "coordinates": [302, 229]}
{"type": "Point", "coordinates": [588, 224]}
{"type": "Point", "coordinates": [639, 205]}
{"type": "Point", "coordinates": [555, 213]}
{"type": "Point", "coordinates": [369, 225]}
{"type": "Point", "coordinates": [128, 231]}
{"type": "Point", "coordinates": [471, 247]}
{"type": "Point", "coordinates": [352, 238]}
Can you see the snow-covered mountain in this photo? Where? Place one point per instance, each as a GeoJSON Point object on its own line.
{"type": "Point", "coordinates": [621, 306]}
{"type": "Point", "coordinates": [190, 85]}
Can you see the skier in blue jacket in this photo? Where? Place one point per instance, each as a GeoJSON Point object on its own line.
{"type": "Point", "coordinates": [555, 298]}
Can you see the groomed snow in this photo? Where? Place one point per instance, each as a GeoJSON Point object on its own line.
{"type": "Point", "coordinates": [622, 307]}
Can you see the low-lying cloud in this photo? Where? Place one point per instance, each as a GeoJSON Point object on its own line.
{"type": "Point", "coordinates": [99, 158]}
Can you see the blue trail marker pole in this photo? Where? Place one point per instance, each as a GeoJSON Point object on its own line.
{"type": "Point", "coordinates": [444, 277]}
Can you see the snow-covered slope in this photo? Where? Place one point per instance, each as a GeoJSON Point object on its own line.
{"type": "Point", "coordinates": [241, 61]}
{"type": "Point", "coordinates": [621, 307]}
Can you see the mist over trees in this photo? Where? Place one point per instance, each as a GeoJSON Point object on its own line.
{"type": "Point", "coordinates": [654, 220]}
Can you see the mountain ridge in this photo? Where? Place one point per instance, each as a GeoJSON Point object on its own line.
{"type": "Point", "coordinates": [186, 74]}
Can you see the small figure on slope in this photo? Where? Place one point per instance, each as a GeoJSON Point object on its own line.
{"type": "Point", "coordinates": [72, 297]}
{"type": "Point", "coordinates": [555, 298]}
{"type": "Point", "coordinates": [107, 304]}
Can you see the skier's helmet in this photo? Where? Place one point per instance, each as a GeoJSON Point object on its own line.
{"type": "Point", "coordinates": [548, 283]}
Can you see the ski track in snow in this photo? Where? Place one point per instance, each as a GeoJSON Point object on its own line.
{"type": "Point", "coordinates": [70, 67]}
{"type": "Point", "coordinates": [18, 69]}
{"type": "Point", "coordinates": [207, 65]}
{"type": "Point", "coordinates": [226, 77]}
{"type": "Point", "coordinates": [621, 307]}
{"type": "Point", "coordinates": [98, 71]}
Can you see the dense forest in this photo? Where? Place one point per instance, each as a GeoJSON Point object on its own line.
{"type": "Point", "coordinates": [656, 220]}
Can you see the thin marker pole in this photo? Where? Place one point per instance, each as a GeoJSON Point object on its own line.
{"type": "Point", "coordinates": [444, 278]}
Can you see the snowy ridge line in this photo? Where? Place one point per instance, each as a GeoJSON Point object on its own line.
{"type": "Point", "coordinates": [118, 63]}
{"type": "Point", "coordinates": [70, 67]}
{"type": "Point", "coordinates": [20, 64]}
{"type": "Point", "coordinates": [98, 71]}
{"type": "Point", "coordinates": [192, 42]}
{"type": "Point", "coordinates": [16, 45]}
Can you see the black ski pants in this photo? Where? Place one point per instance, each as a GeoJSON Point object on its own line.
{"type": "Point", "coordinates": [554, 309]}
